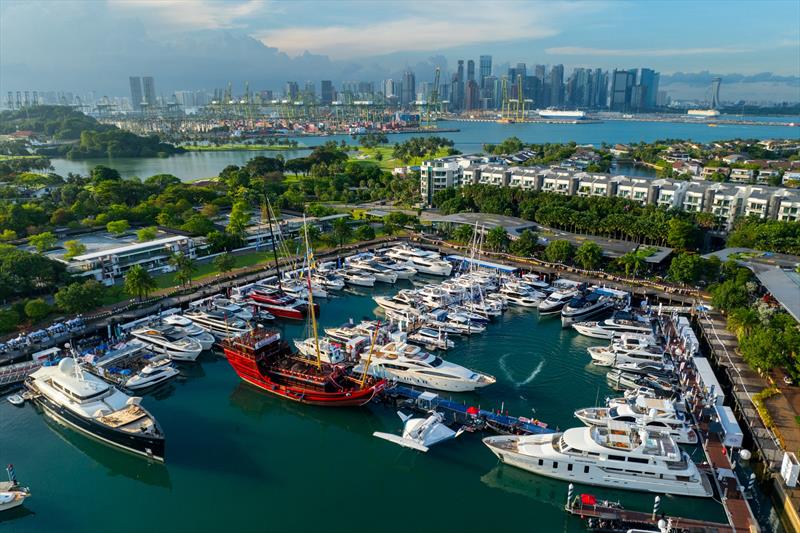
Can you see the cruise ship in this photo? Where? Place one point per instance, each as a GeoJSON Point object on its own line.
{"type": "Point", "coordinates": [705, 113]}
{"type": "Point", "coordinates": [618, 455]}
{"type": "Point", "coordinates": [556, 114]}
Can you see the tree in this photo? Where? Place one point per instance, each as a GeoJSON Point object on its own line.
{"type": "Point", "coordinates": [36, 309]}
{"type": "Point", "coordinates": [686, 268]}
{"type": "Point", "coordinates": [139, 282]}
{"type": "Point", "coordinates": [588, 255]}
{"type": "Point", "coordinates": [341, 231]}
{"type": "Point", "coordinates": [559, 251]}
{"type": "Point", "coordinates": [463, 233]}
{"type": "Point", "coordinates": [118, 227]}
{"type": "Point", "coordinates": [209, 210]}
{"type": "Point", "coordinates": [525, 244]}
{"type": "Point", "coordinates": [224, 262]}
{"type": "Point", "coordinates": [365, 233]}
{"type": "Point", "coordinates": [197, 224]}
{"type": "Point", "coordinates": [729, 295]}
{"type": "Point", "coordinates": [389, 228]}
{"type": "Point", "coordinates": [74, 248]}
{"type": "Point", "coordinates": [239, 218]}
{"type": "Point", "coordinates": [146, 234]}
{"type": "Point", "coordinates": [633, 261]}
{"type": "Point", "coordinates": [9, 320]}
{"type": "Point", "coordinates": [8, 235]}
{"type": "Point", "coordinates": [43, 241]}
{"type": "Point", "coordinates": [742, 321]}
{"type": "Point", "coordinates": [497, 239]}
{"type": "Point", "coordinates": [80, 297]}
{"type": "Point", "coordinates": [184, 268]}
{"type": "Point", "coordinates": [682, 234]}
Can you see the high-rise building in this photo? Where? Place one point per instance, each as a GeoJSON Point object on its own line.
{"type": "Point", "coordinates": [485, 69]}
{"type": "Point", "coordinates": [472, 96]}
{"type": "Point", "coordinates": [366, 89]}
{"type": "Point", "coordinates": [522, 69]}
{"type": "Point", "coordinates": [409, 90]}
{"type": "Point", "coordinates": [557, 85]}
{"type": "Point", "coordinates": [489, 93]}
{"type": "Point", "coordinates": [715, 83]}
{"type": "Point", "coordinates": [648, 81]}
{"type": "Point", "coordinates": [458, 86]}
{"type": "Point", "coordinates": [292, 90]}
{"type": "Point", "coordinates": [326, 92]}
{"type": "Point", "coordinates": [136, 93]}
{"type": "Point", "coordinates": [149, 88]}
{"type": "Point", "coordinates": [622, 82]}
{"type": "Point", "coordinates": [389, 88]}
{"type": "Point", "coordinates": [310, 91]}
{"type": "Point", "coordinates": [470, 70]}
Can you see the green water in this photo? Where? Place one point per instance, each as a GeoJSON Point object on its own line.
{"type": "Point", "coordinates": [239, 460]}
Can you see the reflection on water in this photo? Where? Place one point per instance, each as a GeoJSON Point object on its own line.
{"type": "Point", "coordinates": [117, 462]}
{"type": "Point", "coordinates": [15, 514]}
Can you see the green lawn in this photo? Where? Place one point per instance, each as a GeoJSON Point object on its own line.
{"type": "Point", "coordinates": [389, 162]}
{"type": "Point", "coordinates": [207, 268]}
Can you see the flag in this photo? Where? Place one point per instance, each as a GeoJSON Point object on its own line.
{"type": "Point", "coordinates": [588, 499]}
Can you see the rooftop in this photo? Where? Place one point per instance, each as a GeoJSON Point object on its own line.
{"type": "Point", "coordinates": [130, 248]}
{"type": "Point", "coordinates": [513, 225]}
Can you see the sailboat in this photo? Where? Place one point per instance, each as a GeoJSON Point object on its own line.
{"type": "Point", "coordinates": [266, 361]}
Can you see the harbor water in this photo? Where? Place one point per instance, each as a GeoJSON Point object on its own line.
{"type": "Point", "coordinates": [470, 138]}
{"type": "Point", "coordinates": [241, 460]}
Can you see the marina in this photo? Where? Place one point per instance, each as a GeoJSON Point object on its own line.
{"type": "Point", "coordinates": [522, 397]}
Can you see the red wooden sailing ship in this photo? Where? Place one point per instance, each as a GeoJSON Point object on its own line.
{"type": "Point", "coordinates": [263, 359]}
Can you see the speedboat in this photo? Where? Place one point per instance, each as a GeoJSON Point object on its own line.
{"type": "Point", "coordinates": [358, 278]}
{"type": "Point", "coordinates": [96, 408]}
{"type": "Point", "coordinates": [157, 371]}
{"type": "Point", "coordinates": [217, 323]}
{"type": "Point", "coordinates": [421, 433]}
{"type": "Point", "coordinates": [555, 301]}
{"type": "Point", "coordinates": [408, 364]}
{"type": "Point", "coordinates": [581, 308]}
{"type": "Point", "coordinates": [169, 340]}
{"type": "Point", "coordinates": [227, 306]}
{"type": "Point", "coordinates": [205, 338]}
{"type": "Point", "coordinates": [617, 455]}
{"type": "Point", "coordinates": [620, 322]}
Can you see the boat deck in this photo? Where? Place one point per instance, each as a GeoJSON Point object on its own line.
{"type": "Point", "coordinates": [605, 512]}
{"type": "Point", "coordinates": [123, 417]}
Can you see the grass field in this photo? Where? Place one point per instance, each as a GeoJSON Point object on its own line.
{"type": "Point", "coordinates": [389, 162]}
{"type": "Point", "coordinates": [207, 268]}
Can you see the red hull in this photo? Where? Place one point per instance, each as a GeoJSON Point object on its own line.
{"type": "Point", "coordinates": [248, 370]}
{"type": "Point", "coordinates": [282, 309]}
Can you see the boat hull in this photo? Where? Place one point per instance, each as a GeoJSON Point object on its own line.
{"type": "Point", "coordinates": [570, 319]}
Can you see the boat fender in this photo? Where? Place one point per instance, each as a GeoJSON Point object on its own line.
{"type": "Point", "coordinates": [134, 400]}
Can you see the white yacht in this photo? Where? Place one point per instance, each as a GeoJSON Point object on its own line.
{"type": "Point", "coordinates": [90, 405]}
{"type": "Point", "coordinates": [231, 308]}
{"type": "Point", "coordinates": [620, 322]}
{"type": "Point", "coordinates": [409, 364]}
{"type": "Point", "coordinates": [653, 413]}
{"type": "Point", "coordinates": [420, 260]}
{"type": "Point", "coordinates": [618, 455]}
{"type": "Point", "coordinates": [629, 348]}
{"type": "Point", "coordinates": [555, 301]}
{"type": "Point", "coordinates": [358, 278]}
{"type": "Point", "coordinates": [403, 271]}
{"type": "Point", "coordinates": [517, 295]}
{"type": "Point", "coordinates": [205, 338]}
{"type": "Point", "coordinates": [401, 302]}
{"type": "Point", "coordinates": [217, 323]}
{"type": "Point", "coordinates": [431, 339]}
{"type": "Point", "coordinates": [535, 281]}
{"type": "Point", "coordinates": [378, 271]}
{"type": "Point", "coordinates": [169, 340]}
{"type": "Point", "coordinates": [328, 280]}
{"type": "Point", "coordinates": [333, 350]}
{"type": "Point", "coordinates": [157, 371]}
{"type": "Point", "coordinates": [421, 433]}
{"type": "Point", "coordinates": [582, 307]}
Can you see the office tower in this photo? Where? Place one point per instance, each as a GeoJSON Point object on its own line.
{"type": "Point", "coordinates": [557, 85]}
{"type": "Point", "coordinates": [599, 89]}
{"type": "Point", "coordinates": [485, 69]}
{"type": "Point", "coordinates": [472, 96]}
{"type": "Point", "coordinates": [326, 92]}
{"type": "Point", "coordinates": [458, 86]}
{"type": "Point", "coordinates": [622, 82]}
{"type": "Point", "coordinates": [715, 83]}
{"type": "Point", "coordinates": [522, 69]}
{"type": "Point", "coordinates": [409, 90]}
{"type": "Point", "coordinates": [389, 88]}
{"type": "Point", "coordinates": [292, 90]}
{"type": "Point", "coordinates": [310, 91]}
{"type": "Point", "coordinates": [366, 89]}
{"type": "Point", "coordinates": [136, 93]}
{"type": "Point", "coordinates": [149, 89]}
{"type": "Point", "coordinates": [470, 70]}
{"type": "Point", "coordinates": [489, 92]}
{"type": "Point", "coordinates": [648, 81]}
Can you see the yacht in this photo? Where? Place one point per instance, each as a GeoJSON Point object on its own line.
{"type": "Point", "coordinates": [582, 307]}
{"type": "Point", "coordinates": [653, 413]}
{"type": "Point", "coordinates": [333, 350]}
{"type": "Point", "coordinates": [205, 338]}
{"type": "Point", "coordinates": [629, 348]}
{"type": "Point", "coordinates": [169, 340]}
{"type": "Point", "coordinates": [516, 295]}
{"type": "Point", "coordinates": [218, 324]}
{"type": "Point", "coordinates": [420, 260]}
{"type": "Point", "coordinates": [358, 278]}
{"type": "Point", "coordinates": [662, 387]}
{"type": "Point", "coordinates": [617, 455]}
{"type": "Point", "coordinates": [403, 271]}
{"type": "Point", "coordinates": [280, 304]}
{"type": "Point", "coordinates": [535, 281]}
{"type": "Point", "coordinates": [90, 405]}
{"type": "Point", "coordinates": [328, 280]}
{"type": "Point", "coordinates": [620, 322]}
{"type": "Point", "coordinates": [378, 271]}
{"type": "Point", "coordinates": [555, 301]}
{"type": "Point", "coordinates": [409, 364]}
{"type": "Point", "coordinates": [431, 339]}
{"type": "Point", "coordinates": [227, 306]}
{"type": "Point", "coordinates": [157, 371]}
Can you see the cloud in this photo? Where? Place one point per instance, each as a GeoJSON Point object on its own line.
{"type": "Point", "coordinates": [188, 15]}
{"type": "Point", "coordinates": [632, 52]}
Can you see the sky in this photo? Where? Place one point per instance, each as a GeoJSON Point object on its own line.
{"type": "Point", "coordinates": [97, 44]}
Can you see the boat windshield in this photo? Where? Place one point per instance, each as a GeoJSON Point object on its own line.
{"type": "Point", "coordinates": [437, 361]}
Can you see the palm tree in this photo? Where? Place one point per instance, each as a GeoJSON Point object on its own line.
{"type": "Point", "coordinates": [184, 268]}
{"type": "Point", "coordinates": [633, 261]}
{"type": "Point", "coordinates": [588, 255]}
{"type": "Point", "coordinates": [138, 282]}
{"type": "Point", "coordinates": [741, 321]}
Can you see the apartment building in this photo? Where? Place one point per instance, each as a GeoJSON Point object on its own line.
{"type": "Point", "coordinates": [742, 175]}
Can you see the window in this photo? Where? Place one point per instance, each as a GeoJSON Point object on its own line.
{"type": "Point", "coordinates": [585, 469]}
{"type": "Point", "coordinates": [541, 462]}
{"type": "Point", "coordinates": [569, 467]}
{"type": "Point", "coordinates": [555, 465]}
{"type": "Point", "coordinates": [638, 460]}
{"type": "Point", "coordinates": [616, 457]}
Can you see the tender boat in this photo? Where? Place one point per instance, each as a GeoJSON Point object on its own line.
{"type": "Point", "coordinates": [90, 405]}
{"type": "Point", "coordinates": [16, 399]}
{"type": "Point", "coordinates": [218, 323]}
{"type": "Point", "coordinates": [205, 338]}
{"type": "Point", "coordinates": [409, 364]}
{"type": "Point", "coordinates": [618, 455]}
{"type": "Point", "coordinates": [421, 433]}
{"type": "Point", "coordinates": [170, 340]}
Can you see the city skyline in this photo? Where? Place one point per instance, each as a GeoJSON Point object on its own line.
{"type": "Point", "coordinates": [257, 41]}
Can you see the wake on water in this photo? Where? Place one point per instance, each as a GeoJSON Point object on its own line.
{"type": "Point", "coordinates": [527, 380]}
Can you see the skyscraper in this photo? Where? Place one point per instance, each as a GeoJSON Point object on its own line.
{"type": "Point", "coordinates": [136, 93]}
{"type": "Point", "coordinates": [648, 80]}
{"type": "Point", "coordinates": [292, 90]}
{"type": "Point", "coordinates": [472, 96]}
{"type": "Point", "coordinates": [622, 82]}
{"type": "Point", "coordinates": [149, 86]}
{"type": "Point", "coordinates": [458, 86]}
{"type": "Point", "coordinates": [326, 92]}
{"type": "Point", "coordinates": [409, 91]}
{"type": "Point", "coordinates": [470, 70]}
{"type": "Point", "coordinates": [485, 69]}
{"type": "Point", "coordinates": [389, 88]}
{"type": "Point", "coordinates": [557, 85]}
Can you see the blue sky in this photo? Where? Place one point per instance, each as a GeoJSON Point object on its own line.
{"type": "Point", "coordinates": [39, 37]}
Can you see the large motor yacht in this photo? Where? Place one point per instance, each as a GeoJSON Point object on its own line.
{"type": "Point", "coordinates": [205, 338]}
{"type": "Point", "coordinates": [280, 304]}
{"type": "Point", "coordinates": [620, 322]}
{"type": "Point", "coordinates": [555, 301]}
{"type": "Point", "coordinates": [169, 340]}
{"type": "Point", "coordinates": [628, 348]}
{"type": "Point", "coordinates": [376, 270]}
{"type": "Point", "coordinates": [157, 371]}
{"type": "Point", "coordinates": [231, 308]}
{"type": "Point", "coordinates": [420, 260]}
{"type": "Point", "coordinates": [219, 324]}
{"type": "Point", "coordinates": [618, 455]}
{"type": "Point", "coordinates": [581, 308]}
{"type": "Point", "coordinates": [653, 413]}
{"type": "Point", "coordinates": [357, 277]}
{"type": "Point", "coordinates": [411, 365]}
{"type": "Point", "coordinates": [403, 271]}
{"type": "Point", "coordinates": [95, 408]}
